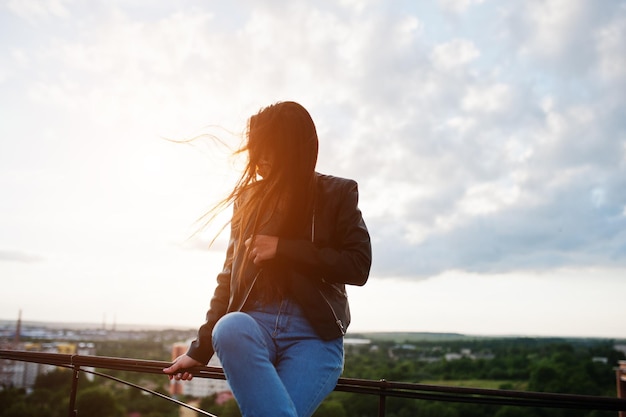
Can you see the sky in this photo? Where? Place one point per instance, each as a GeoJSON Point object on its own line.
{"type": "Point", "coordinates": [488, 139]}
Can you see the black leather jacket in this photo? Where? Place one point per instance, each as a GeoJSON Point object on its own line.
{"type": "Point", "coordinates": [338, 253]}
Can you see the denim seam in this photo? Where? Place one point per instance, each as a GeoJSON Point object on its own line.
{"type": "Point", "coordinates": [320, 389]}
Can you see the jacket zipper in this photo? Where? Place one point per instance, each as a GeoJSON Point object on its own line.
{"type": "Point", "coordinates": [337, 319]}
{"type": "Point", "coordinates": [251, 286]}
{"type": "Point", "coordinates": [332, 310]}
{"type": "Point", "coordinates": [245, 299]}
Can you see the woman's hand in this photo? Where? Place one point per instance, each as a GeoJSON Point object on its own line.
{"type": "Point", "coordinates": [261, 248]}
{"type": "Point", "coordinates": [181, 363]}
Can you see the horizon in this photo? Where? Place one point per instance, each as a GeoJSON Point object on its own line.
{"type": "Point", "coordinates": [129, 327]}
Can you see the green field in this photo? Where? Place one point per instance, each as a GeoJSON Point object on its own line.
{"type": "Point", "coordinates": [480, 383]}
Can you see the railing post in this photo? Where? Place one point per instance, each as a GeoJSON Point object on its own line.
{"type": "Point", "coordinates": [72, 412]}
{"type": "Point", "coordinates": [382, 400]}
{"type": "Point", "coordinates": [620, 374]}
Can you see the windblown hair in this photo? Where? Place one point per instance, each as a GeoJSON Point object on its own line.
{"type": "Point", "coordinates": [283, 134]}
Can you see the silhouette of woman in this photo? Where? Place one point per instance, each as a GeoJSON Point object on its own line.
{"type": "Point", "coordinates": [279, 312]}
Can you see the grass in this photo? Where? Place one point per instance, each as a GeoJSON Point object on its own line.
{"type": "Point", "coordinates": [480, 383]}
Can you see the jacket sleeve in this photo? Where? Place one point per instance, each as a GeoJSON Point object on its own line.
{"type": "Point", "coordinates": [201, 349]}
{"type": "Point", "coordinates": [347, 258]}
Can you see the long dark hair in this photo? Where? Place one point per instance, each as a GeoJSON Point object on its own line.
{"type": "Point", "coordinates": [284, 134]}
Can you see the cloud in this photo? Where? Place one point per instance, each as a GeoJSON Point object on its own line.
{"type": "Point", "coordinates": [559, 35]}
{"type": "Point", "coordinates": [479, 147]}
{"type": "Point", "coordinates": [454, 53]}
{"type": "Point", "coordinates": [499, 171]}
{"type": "Point", "coordinates": [18, 256]}
{"type": "Point", "coordinates": [609, 39]}
{"type": "Point", "coordinates": [458, 6]}
{"type": "Point", "coordinates": [567, 228]}
{"type": "Point", "coordinates": [36, 10]}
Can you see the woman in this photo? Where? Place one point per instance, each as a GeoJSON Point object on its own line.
{"type": "Point", "coordinates": [279, 312]}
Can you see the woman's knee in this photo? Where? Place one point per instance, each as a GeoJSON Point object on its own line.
{"type": "Point", "coordinates": [231, 329]}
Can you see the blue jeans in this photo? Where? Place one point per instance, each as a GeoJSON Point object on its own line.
{"type": "Point", "coordinates": [275, 363]}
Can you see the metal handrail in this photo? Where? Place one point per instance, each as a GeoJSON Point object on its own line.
{"type": "Point", "coordinates": [381, 388]}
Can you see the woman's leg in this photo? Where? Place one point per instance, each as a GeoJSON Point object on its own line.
{"type": "Point", "coordinates": [308, 366]}
{"type": "Point", "coordinates": [275, 363]}
{"type": "Point", "coordinates": [247, 354]}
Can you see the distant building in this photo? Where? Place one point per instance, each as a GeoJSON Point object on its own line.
{"type": "Point", "coordinates": [356, 341]}
{"type": "Point", "coordinates": [87, 349]}
{"type": "Point", "coordinates": [12, 373]}
{"type": "Point", "coordinates": [24, 374]}
{"type": "Point", "coordinates": [453, 356]}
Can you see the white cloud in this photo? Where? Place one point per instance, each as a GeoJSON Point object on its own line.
{"type": "Point", "coordinates": [455, 53]}
{"type": "Point", "coordinates": [610, 44]}
{"type": "Point", "coordinates": [14, 256]}
{"type": "Point", "coordinates": [552, 25]}
{"type": "Point", "coordinates": [461, 124]}
{"type": "Point", "coordinates": [488, 98]}
{"type": "Point", "coordinates": [458, 6]}
{"type": "Point", "coordinates": [34, 10]}
{"type": "Point", "coordinates": [488, 198]}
